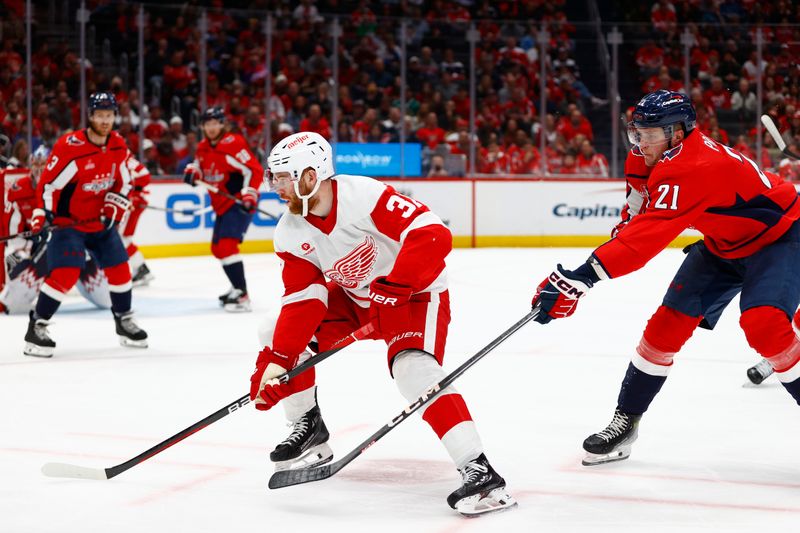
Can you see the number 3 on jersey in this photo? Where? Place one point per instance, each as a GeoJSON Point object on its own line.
{"type": "Point", "coordinates": [405, 204]}
{"type": "Point", "coordinates": [667, 197]}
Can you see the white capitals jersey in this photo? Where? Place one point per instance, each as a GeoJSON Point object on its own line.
{"type": "Point", "coordinates": [361, 239]}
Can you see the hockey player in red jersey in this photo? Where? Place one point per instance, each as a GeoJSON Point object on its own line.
{"type": "Point", "coordinates": [222, 159]}
{"type": "Point", "coordinates": [27, 264]}
{"type": "Point", "coordinates": [354, 251]}
{"type": "Point", "coordinates": [84, 191]}
{"type": "Point", "coordinates": [140, 179]}
{"type": "Point", "coordinates": [751, 247]}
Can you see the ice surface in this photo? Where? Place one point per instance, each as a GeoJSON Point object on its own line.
{"type": "Point", "coordinates": [711, 456]}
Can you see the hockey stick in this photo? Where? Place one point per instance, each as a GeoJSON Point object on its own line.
{"type": "Point", "coordinates": [772, 129]}
{"type": "Point", "coordinates": [50, 227]}
{"type": "Point", "coordinates": [188, 212]}
{"type": "Point", "coordinates": [82, 472]}
{"type": "Point", "coordinates": [286, 478]}
{"type": "Point", "coordinates": [759, 372]}
{"type": "Point", "coordinates": [229, 196]}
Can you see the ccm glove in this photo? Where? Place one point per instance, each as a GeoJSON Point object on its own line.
{"type": "Point", "coordinates": [389, 311]}
{"type": "Point", "coordinates": [557, 296]}
{"type": "Point", "coordinates": [114, 209]}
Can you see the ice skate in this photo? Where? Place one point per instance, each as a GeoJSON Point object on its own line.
{"type": "Point", "coordinates": [142, 276]}
{"type": "Point", "coordinates": [236, 301]}
{"type": "Point", "coordinates": [130, 334]}
{"type": "Point", "coordinates": [614, 442]}
{"type": "Point", "coordinates": [482, 490]}
{"type": "Point", "coordinates": [37, 340]}
{"type": "Point", "coordinates": [306, 445]}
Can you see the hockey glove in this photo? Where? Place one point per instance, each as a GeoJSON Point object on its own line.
{"type": "Point", "coordinates": [265, 390]}
{"type": "Point", "coordinates": [38, 220]}
{"type": "Point", "coordinates": [192, 174]}
{"type": "Point", "coordinates": [114, 209]}
{"type": "Point", "coordinates": [389, 311]}
{"type": "Point", "coordinates": [249, 200]}
{"type": "Point", "coordinates": [557, 296]}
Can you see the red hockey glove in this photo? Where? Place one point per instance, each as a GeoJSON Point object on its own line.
{"type": "Point", "coordinates": [114, 209]}
{"type": "Point", "coordinates": [249, 199]}
{"type": "Point", "coordinates": [38, 219]}
{"type": "Point", "coordinates": [265, 390]}
{"type": "Point", "coordinates": [389, 310]}
{"type": "Point", "coordinates": [557, 296]}
{"type": "Point", "coordinates": [192, 174]}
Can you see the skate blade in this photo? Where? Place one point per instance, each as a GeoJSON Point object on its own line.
{"type": "Point", "coordinates": [496, 500]}
{"type": "Point", "coordinates": [316, 456]}
{"type": "Point", "coordinates": [143, 282]}
{"type": "Point", "coordinates": [38, 351]}
{"type": "Point", "coordinates": [130, 343]}
{"type": "Point", "coordinates": [237, 308]}
{"type": "Point", "coordinates": [593, 459]}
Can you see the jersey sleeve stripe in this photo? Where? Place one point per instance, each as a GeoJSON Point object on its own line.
{"type": "Point", "coordinates": [315, 291]}
{"type": "Point", "coordinates": [428, 218]}
{"type": "Point", "coordinates": [57, 184]}
{"type": "Point", "coordinates": [125, 174]}
{"type": "Point", "coordinates": [247, 172]}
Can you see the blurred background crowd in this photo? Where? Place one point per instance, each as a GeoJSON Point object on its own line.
{"type": "Point", "coordinates": [541, 78]}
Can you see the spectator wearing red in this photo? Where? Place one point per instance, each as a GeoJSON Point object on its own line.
{"type": "Point", "coordinates": [526, 159]}
{"type": "Point", "coordinates": [430, 133]}
{"type": "Point", "coordinates": [649, 57]}
{"type": "Point", "coordinates": [178, 75]}
{"type": "Point", "coordinates": [717, 96]}
{"type": "Point", "coordinates": [663, 17]}
{"type": "Point", "coordinates": [574, 124]}
{"type": "Point", "coordinates": [316, 122]}
{"type": "Point", "coordinates": [492, 160]}
{"type": "Point", "coordinates": [569, 165]}
{"type": "Point", "coordinates": [154, 126]}
{"type": "Point", "coordinates": [9, 57]}
{"type": "Point", "coordinates": [590, 162]}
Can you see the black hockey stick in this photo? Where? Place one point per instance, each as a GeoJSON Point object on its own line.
{"type": "Point", "coordinates": [50, 227]}
{"type": "Point", "coordinates": [286, 478]}
{"type": "Point", "coordinates": [773, 131]}
{"type": "Point", "coordinates": [82, 472]}
{"type": "Point", "coordinates": [229, 196]}
{"type": "Point", "coordinates": [759, 372]}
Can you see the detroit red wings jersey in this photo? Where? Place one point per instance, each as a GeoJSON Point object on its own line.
{"type": "Point", "coordinates": [78, 175]}
{"type": "Point", "coordinates": [140, 176]}
{"type": "Point", "coordinates": [712, 188]}
{"type": "Point", "coordinates": [230, 166]}
{"type": "Point", "coordinates": [20, 199]}
{"type": "Point", "coordinates": [372, 231]}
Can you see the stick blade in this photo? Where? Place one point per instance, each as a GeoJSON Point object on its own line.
{"type": "Point", "coordinates": [287, 478]}
{"type": "Point", "coordinates": [73, 471]}
{"type": "Point", "coordinates": [766, 120]}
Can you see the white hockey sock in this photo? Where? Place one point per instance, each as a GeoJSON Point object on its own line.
{"type": "Point", "coordinates": [414, 371]}
{"type": "Point", "coordinates": [136, 260]}
{"type": "Point", "coordinates": [296, 405]}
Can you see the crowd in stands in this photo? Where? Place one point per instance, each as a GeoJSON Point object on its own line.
{"type": "Point", "coordinates": [508, 135]}
{"type": "Point", "coordinates": [724, 67]}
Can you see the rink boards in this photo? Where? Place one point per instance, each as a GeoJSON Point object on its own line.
{"type": "Point", "coordinates": [479, 212]}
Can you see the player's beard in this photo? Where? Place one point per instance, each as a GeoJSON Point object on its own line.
{"type": "Point", "coordinates": [296, 204]}
{"type": "Point", "coordinates": [98, 131]}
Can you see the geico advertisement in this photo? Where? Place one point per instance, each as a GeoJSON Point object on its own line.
{"type": "Point", "coordinates": [451, 200]}
{"type": "Point", "coordinates": [184, 215]}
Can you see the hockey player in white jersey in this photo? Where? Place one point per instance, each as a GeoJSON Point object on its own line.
{"type": "Point", "coordinates": [355, 251]}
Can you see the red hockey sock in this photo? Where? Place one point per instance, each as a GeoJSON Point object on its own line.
{"type": "Point", "coordinates": [769, 332]}
{"type": "Point", "coordinates": [446, 412]}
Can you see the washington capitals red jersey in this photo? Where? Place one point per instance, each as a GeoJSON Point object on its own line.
{"type": "Point", "coordinates": [712, 188]}
{"type": "Point", "coordinates": [230, 166]}
{"type": "Point", "coordinates": [20, 199]}
{"type": "Point", "coordinates": [78, 175]}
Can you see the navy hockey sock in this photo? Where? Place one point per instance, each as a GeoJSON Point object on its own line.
{"type": "Point", "coordinates": [638, 390]}
{"type": "Point", "coordinates": [46, 306]}
{"type": "Point", "coordinates": [120, 302]}
{"type": "Point", "coordinates": [235, 273]}
{"type": "Point", "coordinates": [794, 389]}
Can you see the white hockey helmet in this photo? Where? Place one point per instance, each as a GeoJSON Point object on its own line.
{"type": "Point", "coordinates": [295, 154]}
